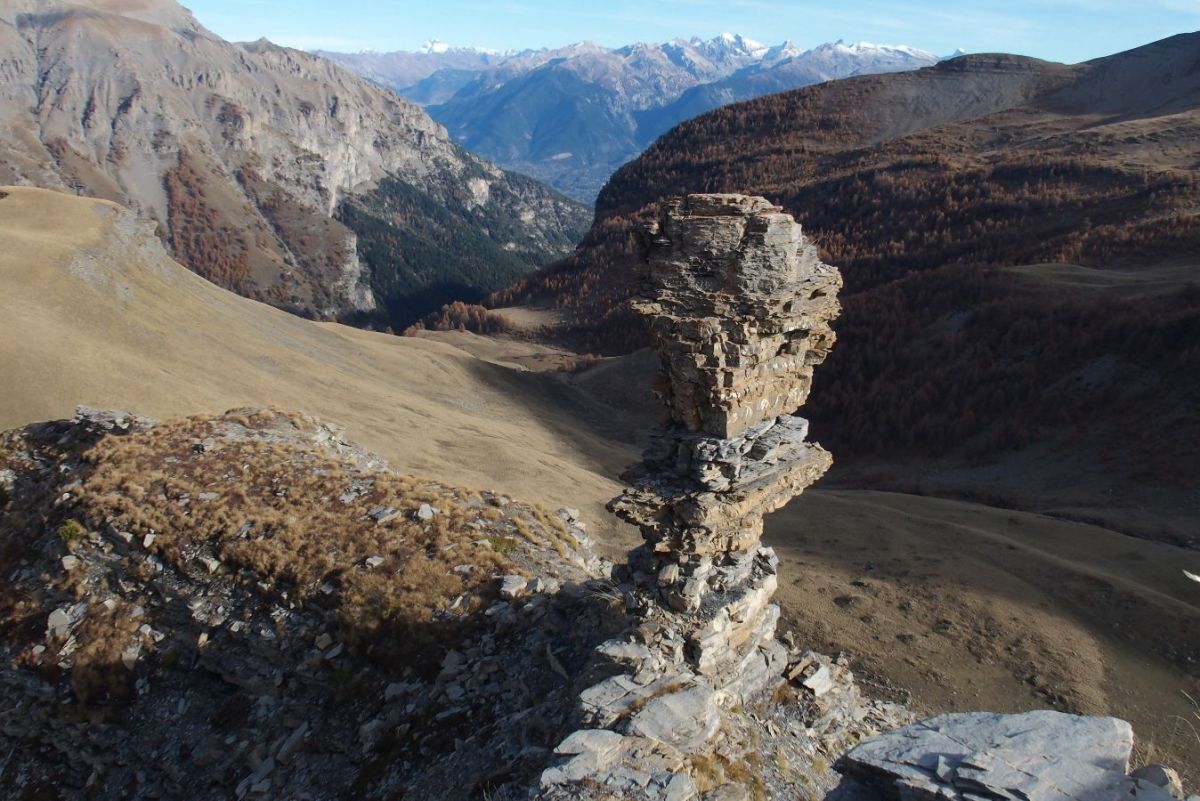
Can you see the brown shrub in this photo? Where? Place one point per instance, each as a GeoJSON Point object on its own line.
{"type": "Point", "coordinates": [199, 235]}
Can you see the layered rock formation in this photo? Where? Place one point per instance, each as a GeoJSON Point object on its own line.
{"type": "Point", "coordinates": [740, 309]}
{"type": "Point", "coordinates": [176, 650]}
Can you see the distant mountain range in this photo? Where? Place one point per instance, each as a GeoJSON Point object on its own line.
{"type": "Point", "coordinates": [571, 116]}
{"type": "Point", "coordinates": [267, 170]}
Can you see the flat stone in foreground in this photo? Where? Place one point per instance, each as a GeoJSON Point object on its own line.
{"type": "Point", "coordinates": [1033, 756]}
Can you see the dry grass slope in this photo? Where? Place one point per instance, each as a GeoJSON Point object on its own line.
{"type": "Point", "coordinates": [252, 497]}
{"type": "Point", "coordinates": [93, 311]}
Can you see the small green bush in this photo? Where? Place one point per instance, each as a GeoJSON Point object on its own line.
{"type": "Point", "coordinates": [71, 531]}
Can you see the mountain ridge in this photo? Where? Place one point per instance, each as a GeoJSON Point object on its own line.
{"type": "Point", "coordinates": [244, 154]}
{"type": "Point", "coordinates": [570, 116]}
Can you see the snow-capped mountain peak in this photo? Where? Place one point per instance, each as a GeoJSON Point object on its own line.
{"type": "Point", "coordinates": [869, 50]}
{"type": "Point", "coordinates": [782, 52]}
{"type": "Point", "coordinates": [736, 43]}
{"type": "Point", "coordinates": [436, 47]}
{"type": "Point", "coordinates": [570, 115]}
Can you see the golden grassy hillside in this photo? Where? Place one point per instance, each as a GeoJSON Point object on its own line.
{"type": "Point", "coordinates": [94, 312]}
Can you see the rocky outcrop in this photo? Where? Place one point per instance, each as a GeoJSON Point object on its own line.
{"type": "Point", "coordinates": [159, 643]}
{"type": "Point", "coordinates": [739, 306]}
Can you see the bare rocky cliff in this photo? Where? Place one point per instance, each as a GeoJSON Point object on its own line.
{"type": "Point", "coordinates": [244, 155]}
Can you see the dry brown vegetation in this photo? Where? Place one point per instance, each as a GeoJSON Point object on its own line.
{"type": "Point", "coordinates": [278, 512]}
{"type": "Point", "coordinates": [459, 316]}
{"type": "Point", "coordinates": [200, 237]}
{"type": "Point", "coordinates": [303, 522]}
{"type": "Point", "coordinates": [972, 360]}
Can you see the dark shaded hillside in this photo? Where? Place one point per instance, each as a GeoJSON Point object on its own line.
{"type": "Point", "coordinates": [922, 187]}
{"type": "Point", "coordinates": [423, 250]}
{"type": "Point", "coordinates": [975, 363]}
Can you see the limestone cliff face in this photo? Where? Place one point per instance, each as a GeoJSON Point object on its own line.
{"type": "Point", "coordinates": [241, 152]}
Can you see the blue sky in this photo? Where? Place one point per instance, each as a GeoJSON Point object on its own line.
{"type": "Point", "coordinates": [1061, 30]}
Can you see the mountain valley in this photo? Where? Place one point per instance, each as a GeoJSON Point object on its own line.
{"type": "Point", "coordinates": [571, 116]}
{"type": "Point", "coordinates": [267, 170]}
{"type": "Point", "coordinates": [1019, 253]}
{"type": "Point", "coordinates": [337, 461]}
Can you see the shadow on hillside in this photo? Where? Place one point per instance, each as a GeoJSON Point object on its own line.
{"type": "Point", "coordinates": [605, 411]}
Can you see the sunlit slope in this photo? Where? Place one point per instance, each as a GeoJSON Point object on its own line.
{"type": "Point", "coordinates": [94, 312]}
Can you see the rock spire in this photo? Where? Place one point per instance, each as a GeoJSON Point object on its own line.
{"type": "Point", "coordinates": [740, 309]}
{"type": "Point", "coordinates": [739, 306]}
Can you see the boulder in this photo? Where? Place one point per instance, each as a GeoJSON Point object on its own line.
{"type": "Point", "coordinates": [512, 586]}
{"type": "Point", "coordinates": [58, 624]}
{"type": "Point", "coordinates": [1160, 776]}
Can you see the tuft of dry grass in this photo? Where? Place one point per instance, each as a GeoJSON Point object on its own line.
{"type": "Point", "coordinates": [71, 531]}
{"type": "Point", "coordinates": [710, 771]}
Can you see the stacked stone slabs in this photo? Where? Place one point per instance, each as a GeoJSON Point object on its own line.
{"type": "Point", "coordinates": [739, 306]}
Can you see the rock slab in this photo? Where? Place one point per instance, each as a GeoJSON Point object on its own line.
{"type": "Point", "coordinates": [1033, 756]}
